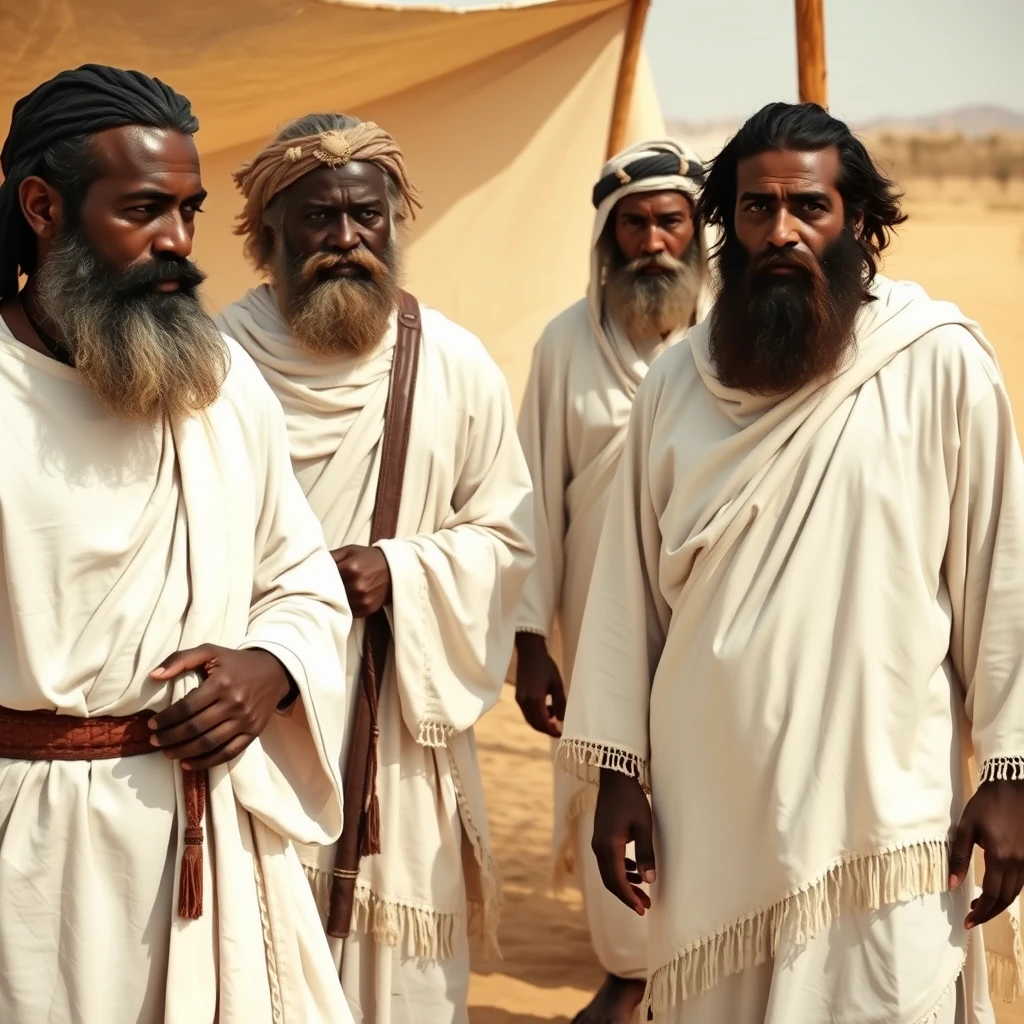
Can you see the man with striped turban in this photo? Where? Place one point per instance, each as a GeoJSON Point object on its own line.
{"type": "Point", "coordinates": [647, 288]}
{"type": "Point", "coordinates": [403, 437]}
{"type": "Point", "coordinates": [171, 691]}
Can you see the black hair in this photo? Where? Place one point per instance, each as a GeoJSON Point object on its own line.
{"type": "Point", "coordinates": [51, 135]}
{"type": "Point", "coordinates": [808, 128]}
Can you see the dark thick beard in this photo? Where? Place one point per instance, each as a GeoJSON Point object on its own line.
{"type": "Point", "coordinates": [771, 334]}
{"type": "Point", "coordinates": [144, 354]}
{"type": "Point", "coordinates": [652, 305]}
{"type": "Point", "coordinates": [338, 316]}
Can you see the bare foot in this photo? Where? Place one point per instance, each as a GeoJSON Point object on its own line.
{"type": "Point", "coordinates": [615, 1002]}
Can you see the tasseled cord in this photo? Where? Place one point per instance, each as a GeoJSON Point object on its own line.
{"type": "Point", "coordinates": [369, 841]}
{"type": "Point", "coordinates": [190, 887]}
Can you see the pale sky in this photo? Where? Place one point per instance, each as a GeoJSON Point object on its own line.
{"type": "Point", "coordinates": [723, 59]}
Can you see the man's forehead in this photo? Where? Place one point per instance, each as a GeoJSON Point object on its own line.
{"type": "Point", "coordinates": [136, 151]}
{"type": "Point", "coordinates": [356, 180]}
{"type": "Point", "coordinates": [659, 199]}
{"type": "Point", "coordinates": [788, 169]}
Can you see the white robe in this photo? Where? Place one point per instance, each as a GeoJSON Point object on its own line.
{"type": "Point", "coordinates": [457, 571]}
{"type": "Point", "coordinates": [572, 423]}
{"type": "Point", "coordinates": [804, 610]}
{"type": "Point", "coordinates": [120, 544]}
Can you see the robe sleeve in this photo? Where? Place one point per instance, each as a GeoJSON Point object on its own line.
{"type": "Point", "coordinates": [625, 622]}
{"type": "Point", "coordinates": [984, 571]}
{"type": "Point", "coordinates": [456, 591]}
{"type": "Point", "coordinates": [290, 777]}
{"type": "Point", "coordinates": [542, 435]}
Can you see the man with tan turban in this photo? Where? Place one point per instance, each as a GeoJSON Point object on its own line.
{"type": "Point", "coordinates": [171, 692]}
{"type": "Point", "coordinates": [647, 287]}
{"type": "Point", "coordinates": [324, 201]}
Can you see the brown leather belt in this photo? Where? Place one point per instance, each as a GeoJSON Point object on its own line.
{"type": "Point", "coordinates": [46, 736]}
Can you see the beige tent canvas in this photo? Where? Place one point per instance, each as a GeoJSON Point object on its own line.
{"type": "Point", "coordinates": [504, 114]}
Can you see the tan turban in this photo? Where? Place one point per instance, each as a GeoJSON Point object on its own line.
{"type": "Point", "coordinates": [281, 163]}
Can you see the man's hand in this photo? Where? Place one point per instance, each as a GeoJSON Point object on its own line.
{"type": "Point", "coordinates": [623, 816]}
{"type": "Point", "coordinates": [539, 691]}
{"type": "Point", "coordinates": [994, 820]}
{"type": "Point", "coordinates": [366, 576]}
{"type": "Point", "coordinates": [216, 721]}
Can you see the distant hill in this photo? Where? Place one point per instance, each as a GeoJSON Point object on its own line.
{"type": "Point", "coordinates": [971, 122]}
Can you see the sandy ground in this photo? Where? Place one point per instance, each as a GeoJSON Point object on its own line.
{"type": "Point", "coordinates": [965, 243]}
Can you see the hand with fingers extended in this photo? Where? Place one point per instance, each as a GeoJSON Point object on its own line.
{"type": "Point", "coordinates": [215, 722]}
{"type": "Point", "coordinates": [994, 820]}
{"type": "Point", "coordinates": [367, 578]}
{"type": "Point", "coordinates": [539, 690]}
{"type": "Point", "coordinates": [624, 816]}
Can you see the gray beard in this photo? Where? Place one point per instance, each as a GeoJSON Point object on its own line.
{"type": "Point", "coordinates": [144, 355]}
{"type": "Point", "coordinates": [650, 306]}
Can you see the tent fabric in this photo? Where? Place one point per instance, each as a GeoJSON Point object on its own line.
{"type": "Point", "coordinates": [503, 114]}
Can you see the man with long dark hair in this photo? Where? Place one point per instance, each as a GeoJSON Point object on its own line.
{"type": "Point", "coordinates": [171, 685]}
{"type": "Point", "coordinates": [805, 611]}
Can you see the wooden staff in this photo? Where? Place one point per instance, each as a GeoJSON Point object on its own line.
{"type": "Point", "coordinates": [627, 75]}
{"type": "Point", "coordinates": [810, 51]}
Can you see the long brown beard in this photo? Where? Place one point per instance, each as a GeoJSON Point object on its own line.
{"type": "Point", "coordinates": [771, 334]}
{"type": "Point", "coordinates": [143, 354]}
{"type": "Point", "coordinates": [338, 316]}
{"type": "Point", "coordinates": [653, 305]}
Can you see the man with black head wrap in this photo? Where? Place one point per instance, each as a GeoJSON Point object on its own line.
{"type": "Point", "coordinates": [170, 619]}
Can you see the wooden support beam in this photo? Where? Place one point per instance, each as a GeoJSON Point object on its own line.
{"type": "Point", "coordinates": [631, 46]}
{"type": "Point", "coordinates": [810, 51]}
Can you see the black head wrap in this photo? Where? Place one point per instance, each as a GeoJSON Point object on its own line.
{"type": "Point", "coordinates": [89, 99]}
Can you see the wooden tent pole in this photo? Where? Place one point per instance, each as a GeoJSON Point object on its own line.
{"type": "Point", "coordinates": [631, 45]}
{"type": "Point", "coordinates": [810, 50]}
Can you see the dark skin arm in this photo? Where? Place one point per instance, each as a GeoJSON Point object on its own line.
{"type": "Point", "coordinates": [216, 721]}
{"type": "Point", "coordinates": [994, 820]}
{"type": "Point", "coordinates": [623, 816]}
{"type": "Point", "coordinates": [539, 690]}
{"type": "Point", "coordinates": [367, 578]}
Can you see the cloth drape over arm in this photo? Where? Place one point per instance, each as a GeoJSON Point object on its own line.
{"type": "Point", "coordinates": [294, 578]}
{"type": "Point", "coordinates": [984, 559]}
{"type": "Point", "coordinates": [625, 611]}
{"type": "Point", "coordinates": [456, 591]}
{"type": "Point", "coordinates": [542, 435]}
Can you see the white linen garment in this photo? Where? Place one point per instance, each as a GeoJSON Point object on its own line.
{"type": "Point", "coordinates": [457, 569]}
{"type": "Point", "coordinates": [120, 544]}
{"type": "Point", "coordinates": [804, 613]}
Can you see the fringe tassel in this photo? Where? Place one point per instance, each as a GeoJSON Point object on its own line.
{"type": "Point", "coordinates": [858, 883]}
{"type": "Point", "coordinates": [418, 931]}
{"type": "Point", "coordinates": [434, 734]}
{"type": "Point", "coordinates": [483, 919]}
{"type": "Point", "coordinates": [1006, 973]}
{"type": "Point", "coordinates": [190, 884]}
{"type": "Point", "coordinates": [1006, 769]}
{"type": "Point", "coordinates": [369, 841]}
{"type": "Point", "coordinates": [585, 759]}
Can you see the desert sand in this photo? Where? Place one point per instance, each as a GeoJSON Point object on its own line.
{"type": "Point", "coordinates": [964, 242]}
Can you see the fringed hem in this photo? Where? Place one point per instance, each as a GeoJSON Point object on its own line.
{"type": "Point", "coordinates": [418, 931]}
{"type": "Point", "coordinates": [1006, 973]}
{"type": "Point", "coordinates": [855, 883]}
{"type": "Point", "coordinates": [1006, 769]}
{"type": "Point", "coordinates": [434, 734]}
{"type": "Point", "coordinates": [585, 759]}
{"type": "Point", "coordinates": [564, 866]}
{"type": "Point", "coordinates": [483, 917]}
